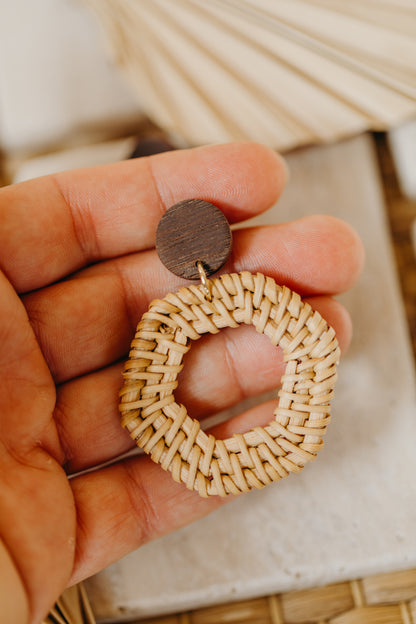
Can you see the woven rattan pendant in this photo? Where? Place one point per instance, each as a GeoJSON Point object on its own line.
{"type": "Point", "coordinates": [194, 240]}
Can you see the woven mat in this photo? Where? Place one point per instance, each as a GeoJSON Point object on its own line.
{"type": "Point", "coordinates": [384, 599]}
{"type": "Point", "coordinates": [381, 599]}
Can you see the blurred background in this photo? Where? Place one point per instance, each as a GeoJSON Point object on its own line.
{"type": "Point", "coordinates": [332, 85]}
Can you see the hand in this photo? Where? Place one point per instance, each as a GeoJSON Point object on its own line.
{"type": "Point", "coordinates": [78, 270]}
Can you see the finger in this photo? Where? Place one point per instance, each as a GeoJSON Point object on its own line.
{"type": "Point", "coordinates": [95, 315]}
{"type": "Point", "coordinates": [30, 479]}
{"type": "Point", "coordinates": [25, 379]}
{"type": "Point", "coordinates": [54, 225]}
{"type": "Point", "coordinates": [215, 377]}
{"type": "Point", "coordinates": [149, 504]}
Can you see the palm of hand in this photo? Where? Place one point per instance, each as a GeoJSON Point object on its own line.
{"type": "Point", "coordinates": [62, 342]}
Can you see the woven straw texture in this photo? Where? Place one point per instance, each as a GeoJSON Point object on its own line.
{"type": "Point", "coordinates": [163, 428]}
{"type": "Point", "coordinates": [381, 599]}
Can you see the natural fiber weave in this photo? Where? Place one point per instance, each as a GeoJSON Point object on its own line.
{"type": "Point", "coordinates": [381, 599]}
{"type": "Point", "coordinates": [163, 428]}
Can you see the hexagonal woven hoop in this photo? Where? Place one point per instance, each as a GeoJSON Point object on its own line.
{"type": "Point", "coordinates": [163, 428]}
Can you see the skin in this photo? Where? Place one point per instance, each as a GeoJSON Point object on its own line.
{"type": "Point", "coordinates": [78, 268]}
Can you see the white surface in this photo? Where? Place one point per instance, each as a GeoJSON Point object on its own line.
{"type": "Point", "coordinates": [353, 511]}
{"type": "Point", "coordinates": [402, 142]}
{"type": "Point", "coordinates": [85, 156]}
{"type": "Point", "coordinates": [55, 76]}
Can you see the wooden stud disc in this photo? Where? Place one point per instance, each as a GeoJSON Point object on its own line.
{"type": "Point", "coordinates": [190, 231]}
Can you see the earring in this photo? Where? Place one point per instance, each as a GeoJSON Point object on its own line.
{"type": "Point", "coordinates": [194, 240]}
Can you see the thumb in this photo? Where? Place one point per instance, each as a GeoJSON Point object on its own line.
{"type": "Point", "coordinates": [36, 509]}
{"type": "Point", "coordinates": [25, 377]}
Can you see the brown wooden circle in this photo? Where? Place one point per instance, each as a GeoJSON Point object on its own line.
{"type": "Point", "coordinates": [190, 231]}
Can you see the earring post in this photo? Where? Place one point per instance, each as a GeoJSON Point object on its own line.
{"type": "Point", "coordinates": [204, 280]}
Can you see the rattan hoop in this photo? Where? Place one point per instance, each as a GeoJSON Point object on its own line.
{"type": "Point", "coordinates": [163, 428]}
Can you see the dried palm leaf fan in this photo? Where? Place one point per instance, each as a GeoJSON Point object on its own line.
{"type": "Point", "coordinates": [283, 72]}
